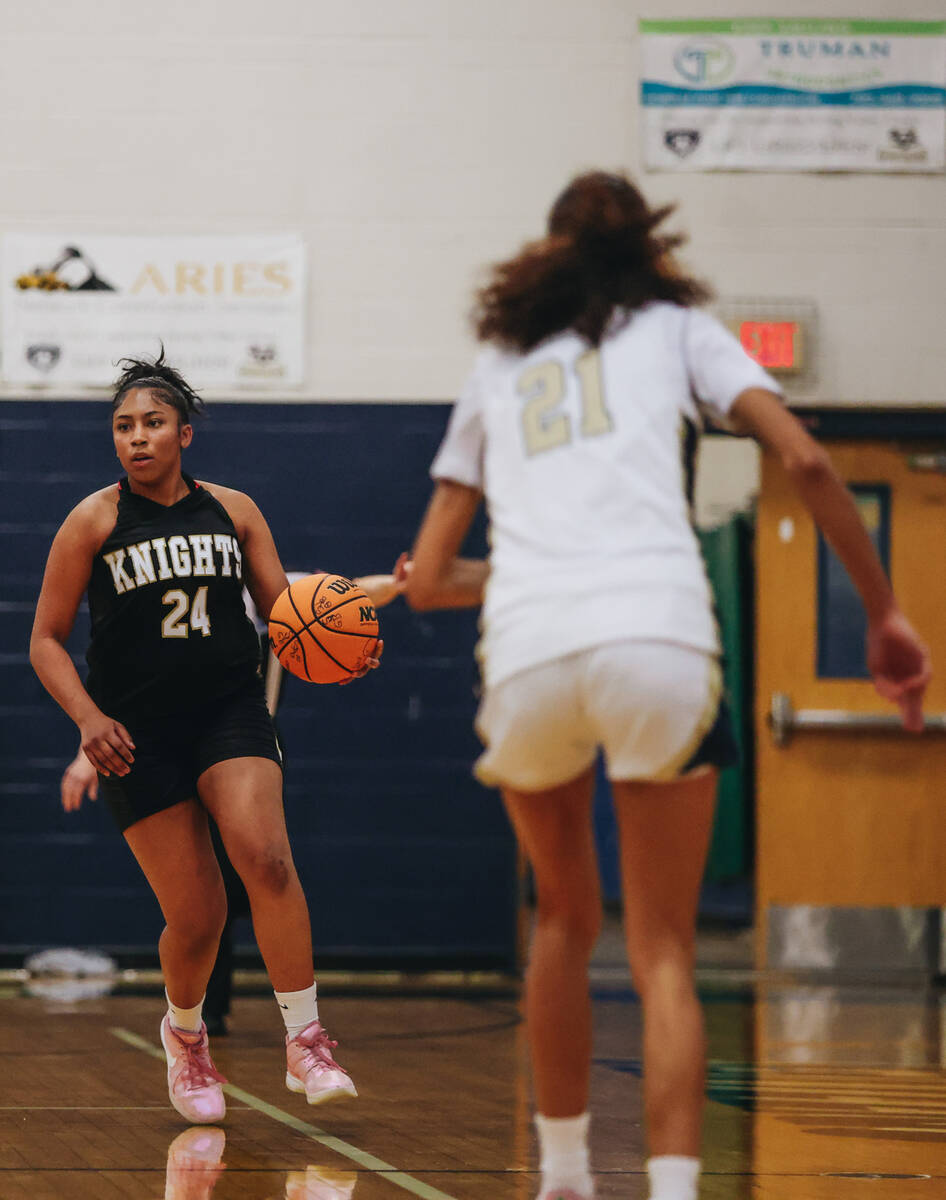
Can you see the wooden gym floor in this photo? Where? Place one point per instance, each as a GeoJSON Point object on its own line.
{"type": "Point", "coordinates": [815, 1092]}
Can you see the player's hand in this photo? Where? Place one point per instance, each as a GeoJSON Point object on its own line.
{"type": "Point", "coordinates": [80, 779]}
{"type": "Point", "coordinates": [899, 663]}
{"type": "Point", "coordinates": [107, 745]}
{"type": "Point", "coordinates": [380, 589]}
{"type": "Point", "coordinates": [370, 662]}
{"type": "Point", "coordinates": [403, 568]}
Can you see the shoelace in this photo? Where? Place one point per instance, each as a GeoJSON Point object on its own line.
{"type": "Point", "coordinates": [319, 1052]}
{"type": "Point", "coordinates": [198, 1071]}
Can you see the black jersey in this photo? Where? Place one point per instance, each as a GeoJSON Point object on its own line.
{"type": "Point", "coordinates": [169, 626]}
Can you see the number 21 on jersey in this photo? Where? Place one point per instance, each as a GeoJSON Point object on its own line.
{"type": "Point", "coordinates": [543, 387]}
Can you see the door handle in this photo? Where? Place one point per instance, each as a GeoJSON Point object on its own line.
{"type": "Point", "coordinates": [785, 719]}
{"type": "Point", "coordinates": [931, 461]}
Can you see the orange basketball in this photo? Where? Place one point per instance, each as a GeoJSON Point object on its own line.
{"type": "Point", "coordinates": [322, 628]}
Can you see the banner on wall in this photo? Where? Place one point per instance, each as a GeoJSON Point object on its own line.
{"type": "Point", "coordinates": [230, 310]}
{"type": "Point", "coordinates": [793, 95]}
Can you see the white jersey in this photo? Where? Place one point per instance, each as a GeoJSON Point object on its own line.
{"type": "Point", "coordinates": [582, 454]}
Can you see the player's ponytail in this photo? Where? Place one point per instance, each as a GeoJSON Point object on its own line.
{"type": "Point", "coordinates": [601, 253]}
{"type": "Point", "coordinates": [158, 376]}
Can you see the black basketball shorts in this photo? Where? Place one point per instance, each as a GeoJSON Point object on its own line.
{"type": "Point", "coordinates": [171, 753]}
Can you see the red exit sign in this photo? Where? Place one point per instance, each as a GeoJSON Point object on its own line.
{"type": "Point", "coordinates": [775, 345]}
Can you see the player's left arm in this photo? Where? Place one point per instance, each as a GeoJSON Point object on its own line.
{"type": "Point", "coordinates": [438, 577]}
{"type": "Point", "coordinates": [263, 573]}
{"type": "Point", "coordinates": [263, 569]}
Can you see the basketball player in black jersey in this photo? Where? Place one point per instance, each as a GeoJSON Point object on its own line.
{"type": "Point", "coordinates": [175, 722]}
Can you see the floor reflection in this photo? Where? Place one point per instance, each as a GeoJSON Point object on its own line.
{"type": "Point", "coordinates": [195, 1166]}
{"type": "Point", "coordinates": [195, 1163]}
{"type": "Point", "coordinates": [320, 1183]}
{"type": "Point", "coordinates": [848, 1087]}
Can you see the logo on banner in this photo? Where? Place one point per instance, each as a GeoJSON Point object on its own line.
{"type": "Point", "coordinates": [263, 362]}
{"type": "Point", "coordinates": [43, 356]}
{"type": "Point", "coordinates": [907, 147]}
{"type": "Point", "coordinates": [682, 141]}
{"type": "Point", "coordinates": [70, 271]}
{"type": "Point", "coordinates": [705, 61]}
{"type": "Point", "coordinates": [904, 139]}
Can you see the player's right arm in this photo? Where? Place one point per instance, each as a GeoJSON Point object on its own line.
{"type": "Point", "coordinates": [896, 656]}
{"type": "Point", "coordinates": [106, 743]}
{"type": "Point", "coordinates": [438, 578]}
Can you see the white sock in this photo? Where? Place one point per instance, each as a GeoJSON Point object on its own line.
{"type": "Point", "coordinates": [186, 1019]}
{"type": "Point", "coordinates": [673, 1177]}
{"type": "Point", "coordinates": [563, 1147]}
{"type": "Point", "coordinates": [298, 1009]}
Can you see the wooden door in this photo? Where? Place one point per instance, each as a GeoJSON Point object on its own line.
{"type": "Point", "coordinates": [848, 817]}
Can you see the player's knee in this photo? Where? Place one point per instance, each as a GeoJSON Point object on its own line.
{"type": "Point", "coordinates": [199, 925]}
{"type": "Point", "coordinates": [575, 917]}
{"type": "Point", "coordinates": [271, 871]}
{"type": "Point", "coordinates": [663, 971]}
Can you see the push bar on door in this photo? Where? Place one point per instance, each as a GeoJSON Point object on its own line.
{"type": "Point", "coordinates": [786, 720]}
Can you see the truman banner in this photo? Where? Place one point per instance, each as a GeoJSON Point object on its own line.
{"type": "Point", "coordinates": [793, 95]}
{"type": "Point", "coordinates": [229, 309]}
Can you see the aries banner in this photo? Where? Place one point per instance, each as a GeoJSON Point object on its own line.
{"type": "Point", "coordinates": [229, 310]}
{"type": "Point", "coordinates": [794, 95]}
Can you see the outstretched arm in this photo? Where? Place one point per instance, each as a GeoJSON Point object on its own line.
{"type": "Point", "coordinates": [381, 589]}
{"type": "Point", "coordinates": [438, 578]}
{"type": "Point", "coordinates": [897, 658]}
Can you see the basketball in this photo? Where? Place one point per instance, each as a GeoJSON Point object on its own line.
{"type": "Point", "coordinates": [322, 628]}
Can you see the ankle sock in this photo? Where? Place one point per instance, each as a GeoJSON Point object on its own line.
{"type": "Point", "coordinates": [564, 1159]}
{"type": "Point", "coordinates": [673, 1177]}
{"type": "Point", "coordinates": [298, 1009]}
{"type": "Point", "coordinates": [187, 1020]}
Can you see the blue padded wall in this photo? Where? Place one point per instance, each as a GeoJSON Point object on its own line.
{"type": "Point", "coordinates": [404, 857]}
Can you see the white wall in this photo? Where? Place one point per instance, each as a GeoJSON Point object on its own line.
{"type": "Point", "coordinates": [412, 141]}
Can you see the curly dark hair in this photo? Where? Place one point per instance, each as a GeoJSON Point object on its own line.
{"type": "Point", "coordinates": [158, 376]}
{"type": "Point", "coordinates": [600, 253]}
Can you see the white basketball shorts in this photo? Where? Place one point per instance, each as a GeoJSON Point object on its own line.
{"type": "Point", "coordinates": [654, 708]}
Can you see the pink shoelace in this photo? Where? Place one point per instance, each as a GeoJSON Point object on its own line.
{"type": "Point", "coordinates": [197, 1070]}
{"type": "Point", "coordinates": [319, 1047]}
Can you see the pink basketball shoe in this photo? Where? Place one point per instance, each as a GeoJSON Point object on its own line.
{"type": "Point", "coordinates": [194, 1083]}
{"type": "Point", "coordinates": [310, 1067]}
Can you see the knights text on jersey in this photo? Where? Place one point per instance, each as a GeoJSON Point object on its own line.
{"type": "Point", "coordinates": [169, 626]}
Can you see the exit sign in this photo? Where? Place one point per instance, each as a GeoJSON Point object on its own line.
{"type": "Point", "coordinates": [775, 345]}
{"type": "Point", "coordinates": [779, 332]}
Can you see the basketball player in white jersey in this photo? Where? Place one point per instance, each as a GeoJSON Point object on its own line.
{"type": "Point", "coordinates": [577, 425]}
